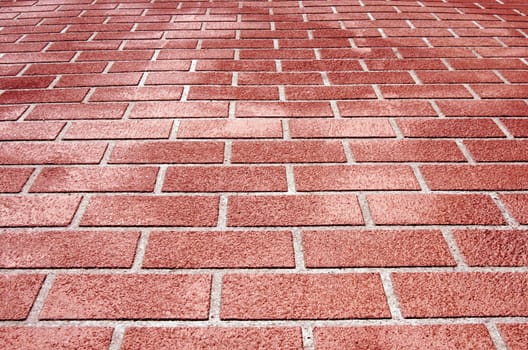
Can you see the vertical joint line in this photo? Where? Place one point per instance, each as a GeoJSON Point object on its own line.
{"type": "Point", "coordinates": [365, 210]}
{"type": "Point", "coordinates": [227, 152]}
{"type": "Point", "coordinates": [31, 180]}
{"type": "Point", "coordinates": [348, 152]}
{"type": "Point", "coordinates": [503, 128]}
{"type": "Point", "coordinates": [160, 178]}
{"type": "Point", "coordinates": [465, 151]}
{"type": "Point", "coordinates": [308, 338]}
{"type": "Point", "coordinates": [510, 220]}
{"type": "Point", "coordinates": [222, 212]}
{"type": "Point", "coordinates": [140, 251]}
{"type": "Point", "coordinates": [420, 178]}
{"type": "Point", "coordinates": [298, 250]}
{"type": "Point", "coordinates": [41, 298]}
{"type": "Point", "coordinates": [80, 211]}
{"type": "Point", "coordinates": [290, 179]}
{"type": "Point", "coordinates": [453, 249]}
{"type": "Point", "coordinates": [216, 296]}
{"type": "Point", "coordinates": [117, 337]}
{"type": "Point", "coordinates": [173, 135]}
{"type": "Point", "coordinates": [496, 336]}
{"type": "Point", "coordinates": [394, 306]}
{"type": "Point", "coordinates": [396, 129]}
{"type": "Point", "coordinates": [335, 109]}
{"type": "Point", "coordinates": [285, 129]}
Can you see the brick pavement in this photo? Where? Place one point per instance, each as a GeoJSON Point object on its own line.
{"type": "Point", "coordinates": [339, 174]}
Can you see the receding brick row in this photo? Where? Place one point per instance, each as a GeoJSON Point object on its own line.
{"type": "Point", "coordinates": [122, 129]}
{"type": "Point", "coordinates": [453, 128]}
{"type": "Point", "coordinates": [52, 153]}
{"type": "Point", "coordinates": [360, 127]}
{"type": "Point", "coordinates": [222, 128]}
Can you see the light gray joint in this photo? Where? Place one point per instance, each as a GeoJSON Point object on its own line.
{"type": "Point", "coordinates": [285, 129]}
{"type": "Point", "coordinates": [278, 66]}
{"type": "Point", "coordinates": [108, 67]}
{"type": "Point", "coordinates": [326, 81]}
{"type": "Point", "coordinates": [377, 90]}
{"type": "Point", "coordinates": [33, 315]}
{"type": "Point", "coordinates": [465, 151]}
{"type": "Point", "coordinates": [88, 95]}
{"type": "Point", "coordinates": [80, 211]}
{"type": "Point", "coordinates": [237, 55]}
{"type": "Point", "coordinates": [122, 45]}
{"type": "Point", "coordinates": [117, 337]}
{"type": "Point", "coordinates": [502, 43]}
{"type": "Point", "coordinates": [435, 16]}
{"type": "Point", "coordinates": [75, 57]}
{"type": "Point", "coordinates": [308, 338]}
{"type": "Point", "coordinates": [227, 152]}
{"type": "Point", "coordinates": [394, 306]}
{"type": "Point", "coordinates": [317, 53]}
{"type": "Point", "coordinates": [222, 212]}
{"type": "Point", "coordinates": [479, 5]}
{"type": "Point", "coordinates": [446, 63]}
{"type": "Point", "coordinates": [420, 179]}
{"type": "Point", "coordinates": [352, 42]}
{"type": "Point", "coordinates": [363, 65]}
{"type": "Point", "coordinates": [31, 179]}
{"type": "Point", "coordinates": [453, 33]}
{"type": "Point", "coordinates": [348, 153]}
{"type": "Point", "coordinates": [504, 210]}
{"type": "Point", "coordinates": [471, 91]}
{"type": "Point", "coordinates": [370, 16]}
{"type": "Point", "coordinates": [128, 110]}
{"type": "Point", "coordinates": [524, 60]}
{"type": "Point", "coordinates": [192, 68]}
{"type": "Point", "coordinates": [23, 70]}
{"type": "Point", "coordinates": [459, 11]}
{"type": "Point", "coordinates": [108, 152]}
{"type": "Point", "coordinates": [216, 297]}
{"type": "Point", "coordinates": [158, 187]}
{"type": "Point", "coordinates": [63, 131]}
{"type": "Point", "coordinates": [475, 53]}
{"type": "Point", "coordinates": [496, 336]}
{"type": "Point", "coordinates": [305, 17]}
{"type": "Point", "coordinates": [501, 77]}
{"type": "Point", "coordinates": [428, 43]}
{"type": "Point", "coordinates": [453, 248]}
{"type": "Point", "coordinates": [140, 251]}
{"type": "Point", "coordinates": [143, 79]}
{"type": "Point", "coordinates": [410, 24]}
{"type": "Point", "coordinates": [361, 3]}
{"type": "Point", "coordinates": [503, 128]}
{"type": "Point", "coordinates": [479, 26]}
{"type": "Point", "coordinates": [396, 9]}
{"type": "Point", "coordinates": [397, 53]}
{"type": "Point", "coordinates": [500, 2]}
{"type": "Point", "coordinates": [272, 26]}
{"type": "Point", "coordinates": [417, 80]}
{"type": "Point", "coordinates": [335, 109]}
{"type": "Point", "coordinates": [382, 33]}
{"type": "Point", "coordinates": [276, 44]}
{"type": "Point", "coordinates": [282, 93]}
{"type": "Point", "coordinates": [185, 93]}
{"type": "Point", "coordinates": [134, 27]}
{"type": "Point", "coordinates": [237, 34]}
{"type": "Point", "coordinates": [342, 25]}
{"type": "Point", "coordinates": [396, 128]}
{"type": "Point", "coordinates": [499, 18]}
{"type": "Point", "coordinates": [523, 33]}
{"type": "Point", "coordinates": [232, 109]}
{"type": "Point", "coordinates": [290, 179]}
{"type": "Point", "coordinates": [234, 79]}
{"type": "Point", "coordinates": [420, 4]}
{"type": "Point", "coordinates": [519, 12]}
{"type": "Point", "coordinates": [367, 217]}
{"type": "Point", "coordinates": [173, 135]}
{"type": "Point", "coordinates": [334, 10]}
{"type": "Point", "coordinates": [310, 34]}
{"type": "Point", "coordinates": [26, 113]}
{"type": "Point", "coordinates": [298, 250]}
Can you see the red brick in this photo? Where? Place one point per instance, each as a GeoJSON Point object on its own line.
{"type": "Point", "coordinates": [78, 111]}
{"type": "Point", "coordinates": [233, 249]}
{"type": "Point", "coordinates": [118, 296]}
{"type": "Point", "coordinates": [434, 209]}
{"type": "Point", "coordinates": [518, 206]}
{"type": "Point", "coordinates": [391, 108]}
{"type": "Point", "coordinates": [167, 152]}
{"type": "Point", "coordinates": [411, 337]}
{"type": "Point", "coordinates": [303, 296]}
{"type": "Point", "coordinates": [211, 337]}
{"type": "Point", "coordinates": [233, 93]}
{"type": "Point", "coordinates": [476, 177]}
{"type": "Point", "coordinates": [201, 34]}
{"type": "Point", "coordinates": [141, 66]}
{"type": "Point", "coordinates": [186, 78]}
{"type": "Point", "coordinates": [461, 294]}
{"type": "Point", "coordinates": [122, 129]}
{"type": "Point", "coordinates": [434, 127]}
{"type": "Point", "coordinates": [501, 91]}
{"type": "Point", "coordinates": [12, 131]}
{"type": "Point", "coordinates": [312, 43]}
{"type": "Point", "coordinates": [483, 108]}
{"type": "Point", "coordinates": [13, 179]}
{"type": "Point", "coordinates": [361, 127]}
{"type": "Point", "coordinates": [294, 210]}
{"type": "Point", "coordinates": [128, 35]}
{"type": "Point", "coordinates": [280, 79]}
{"type": "Point", "coordinates": [418, 32]}
{"type": "Point", "coordinates": [405, 64]}
{"type": "Point", "coordinates": [277, 54]}
{"type": "Point", "coordinates": [515, 76]}
{"type": "Point", "coordinates": [17, 294]}
{"type": "Point", "coordinates": [237, 44]}
{"type": "Point", "coordinates": [43, 210]}
{"type": "Point", "coordinates": [43, 96]}
{"type": "Point", "coordinates": [463, 42]}
{"type": "Point", "coordinates": [11, 69]}
{"type": "Point", "coordinates": [274, 34]}
{"type": "Point", "coordinates": [361, 53]}
{"type": "Point", "coordinates": [180, 110]}
{"type": "Point", "coordinates": [92, 80]}
{"type": "Point", "coordinates": [127, 210]}
{"type": "Point", "coordinates": [485, 63]}
{"type": "Point", "coordinates": [11, 112]}
{"type": "Point", "coordinates": [370, 78]}
{"type": "Point", "coordinates": [424, 91]}
{"type": "Point", "coordinates": [329, 92]}
{"type": "Point", "coordinates": [321, 65]}
{"type": "Point", "coordinates": [65, 68]}
{"type": "Point", "coordinates": [288, 152]}
{"type": "Point", "coordinates": [225, 179]}
{"type": "Point", "coordinates": [460, 77]}
{"type": "Point", "coordinates": [55, 338]}
{"type": "Point", "coordinates": [283, 109]}
{"type": "Point", "coordinates": [375, 248]}
{"type": "Point", "coordinates": [223, 128]}
{"type": "Point", "coordinates": [239, 65]}
{"type": "Point", "coordinates": [96, 179]}
{"type": "Point", "coordinates": [406, 151]}
{"type": "Point", "coordinates": [442, 52]}
{"type": "Point", "coordinates": [517, 127]}
{"type": "Point", "coordinates": [354, 177]}
{"type": "Point", "coordinates": [493, 247]}
{"type": "Point", "coordinates": [36, 57]}
{"type": "Point", "coordinates": [51, 153]}
{"type": "Point", "coordinates": [192, 54]}
{"type": "Point", "coordinates": [108, 55]}
{"type": "Point", "coordinates": [498, 150]}
{"type": "Point", "coordinates": [67, 249]}
{"type": "Point", "coordinates": [136, 93]}
{"type": "Point", "coordinates": [84, 45]}
{"type": "Point", "coordinates": [7, 83]}
{"type": "Point", "coordinates": [515, 335]}
{"type": "Point", "coordinates": [389, 42]}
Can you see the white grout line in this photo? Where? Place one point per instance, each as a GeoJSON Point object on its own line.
{"type": "Point", "coordinates": [436, 109]}
{"type": "Point", "coordinates": [503, 128]}
{"type": "Point", "coordinates": [420, 178]}
{"type": "Point", "coordinates": [117, 337]}
{"type": "Point", "coordinates": [496, 336]}
{"type": "Point", "coordinates": [227, 152]}
{"type": "Point", "coordinates": [501, 77]}
{"type": "Point", "coordinates": [504, 210]}
{"type": "Point", "coordinates": [365, 210]}
{"type": "Point", "coordinates": [160, 178]}
{"type": "Point", "coordinates": [285, 130]}
{"type": "Point", "coordinates": [335, 109]}
{"type": "Point", "coordinates": [396, 129]}
{"type": "Point", "coordinates": [216, 296]}
{"type": "Point", "coordinates": [174, 129]}
{"type": "Point", "coordinates": [140, 251]}
{"type": "Point", "coordinates": [80, 212]}
{"type": "Point", "coordinates": [38, 304]}
{"type": "Point", "coordinates": [222, 212]}
{"type": "Point", "coordinates": [300, 265]}
{"type": "Point", "coordinates": [348, 152]}
{"type": "Point", "coordinates": [453, 248]}
{"type": "Point", "coordinates": [308, 338]}
{"type": "Point", "coordinates": [392, 300]}
{"type": "Point", "coordinates": [465, 151]}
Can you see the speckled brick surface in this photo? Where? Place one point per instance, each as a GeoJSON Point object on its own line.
{"type": "Point", "coordinates": [282, 174]}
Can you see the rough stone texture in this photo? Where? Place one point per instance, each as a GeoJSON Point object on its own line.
{"type": "Point", "coordinates": [515, 335]}
{"type": "Point", "coordinates": [17, 294]}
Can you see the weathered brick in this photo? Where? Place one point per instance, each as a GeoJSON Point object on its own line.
{"type": "Point", "coordinates": [222, 128]}
{"type": "Point", "coordinates": [359, 127]}
{"type": "Point", "coordinates": [122, 129]}
{"type": "Point", "coordinates": [463, 128]}
{"type": "Point", "coordinates": [498, 150]}
{"type": "Point", "coordinates": [515, 335]}
{"type": "Point", "coordinates": [283, 109]}
{"type": "Point", "coordinates": [287, 152]}
{"type": "Point", "coordinates": [78, 111]}
{"type": "Point", "coordinates": [13, 131]}
{"type": "Point", "coordinates": [406, 151]}
{"type": "Point", "coordinates": [386, 108]}
{"type": "Point", "coordinates": [518, 206]}
{"type": "Point", "coordinates": [17, 294]}
{"type": "Point", "coordinates": [180, 110]}
{"type": "Point", "coordinates": [13, 179]}
{"type": "Point", "coordinates": [51, 153]}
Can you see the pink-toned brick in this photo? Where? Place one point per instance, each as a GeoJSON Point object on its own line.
{"type": "Point", "coordinates": [361, 53]}
{"type": "Point", "coordinates": [405, 64]}
{"type": "Point", "coordinates": [95, 179]}
{"type": "Point", "coordinates": [425, 91]}
{"type": "Point", "coordinates": [167, 152]}
{"type": "Point", "coordinates": [360, 127]}
{"type": "Point", "coordinates": [51, 153]}
{"type": "Point", "coordinates": [186, 78]}
{"type": "Point", "coordinates": [42, 96]}
{"type": "Point", "coordinates": [180, 110]}
{"type": "Point", "coordinates": [354, 177]}
{"type": "Point", "coordinates": [303, 296]}
{"type": "Point", "coordinates": [518, 206]}
{"type": "Point", "coordinates": [483, 108]}
{"type": "Point", "coordinates": [320, 65]}
{"type": "Point", "coordinates": [517, 127]}
{"type": "Point", "coordinates": [78, 111]}
{"type": "Point", "coordinates": [375, 248]}
{"type": "Point", "coordinates": [498, 150]}
{"type": "Point", "coordinates": [234, 249]}
{"type": "Point", "coordinates": [222, 128]}
{"type": "Point", "coordinates": [386, 108]}
{"type": "Point", "coordinates": [13, 131]}
{"type": "Point", "coordinates": [109, 94]}
{"type": "Point", "coordinates": [493, 247]}
{"type": "Point", "coordinates": [461, 294]}
{"type": "Point", "coordinates": [44, 210]}
{"type": "Point", "coordinates": [501, 90]}
{"type": "Point", "coordinates": [9, 83]}
{"type": "Point", "coordinates": [476, 177]}
{"type": "Point", "coordinates": [127, 210]}
{"type": "Point", "coordinates": [434, 127]}
{"type": "Point", "coordinates": [515, 335]}
{"type": "Point", "coordinates": [17, 294]}
{"type": "Point", "coordinates": [329, 92]}
{"type": "Point", "coordinates": [294, 210]}
{"type": "Point", "coordinates": [485, 63]}
{"type": "Point", "coordinates": [225, 179]}
{"type": "Point", "coordinates": [233, 93]}
{"type": "Point", "coordinates": [406, 151]}
{"type": "Point", "coordinates": [118, 296]}
{"type": "Point", "coordinates": [434, 209]}
{"type": "Point", "coordinates": [280, 79]}
{"type": "Point", "coordinates": [287, 152]}
{"type": "Point", "coordinates": [193, 54]}
{"type": "Point", "coordinates": [114, 55]}
{"type": "Point", "coordinates": [122, 129]}
{"type": "Point", "coordinates": [11, 112]}
{"type": "Point", "coordinates": [55, 338]}
{"type": "Point", "coordinates": [283, 109]}
{"type": "Point", "coordinates": [92, 80]}
{"type": "Point", "coordinates": [460, 77]}
{"type": "Point", "coordinates": [13, 179]}
{"type": "Point", "coordinates": [65, 68]}
{"type": "Point", "coordinates": [233, 338]}
{"type": "Point", "coordinates": [438, 337]}
{"type": "Point", "coordinates": [68, 249]}
{"type": "Point", "coordinates": [349, 78]}
{"type": "Point", "coordinates": [236, 66]}
{"type": "Point", "coordinates": [141, 66]}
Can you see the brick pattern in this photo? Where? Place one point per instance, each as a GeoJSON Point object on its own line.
{"type": "Point", "coordinates": [264, 175]}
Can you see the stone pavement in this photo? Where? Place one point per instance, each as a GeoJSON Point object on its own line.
{"type": "Point", "coordinates": [339, 174]}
